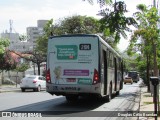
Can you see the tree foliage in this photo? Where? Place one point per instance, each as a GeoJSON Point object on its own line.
{"type": "Point", "coordinates": [70, 25]}
{"type": "Point", "coordinates": [22, 67]}
{"type": "Point", "coordinates": [146, 36]}
{"type": "Point", "coordinates": [145, 39]}
{"type": "Point", "coordinates": [114, 21]}
{"type": "Point", "coordinates": [34, 56]}
{"type": "Point", "coordinates": [4, 42]}
{"type": "Point", "coordinates": [7, 61]}
{"type": "Point", "coordinates": [42, 41]}
{"type": "Point", "coordinates": [100, 2]}
{"type": "Point", "coordinates": [23, 37]}
{"type": "Point", "coordinates": [78, 24]}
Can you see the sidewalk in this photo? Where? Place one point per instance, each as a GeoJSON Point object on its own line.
{"type": "Point", "coordinates": [9, 88]}
{"type": "Point", "coordinates": [146, 103]}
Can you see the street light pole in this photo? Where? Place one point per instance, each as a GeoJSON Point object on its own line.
{"type": "Point", "coordinates": [154, 3]}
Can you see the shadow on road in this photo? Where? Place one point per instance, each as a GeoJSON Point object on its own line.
{"type": "Point", "coordinates": [60, 107]}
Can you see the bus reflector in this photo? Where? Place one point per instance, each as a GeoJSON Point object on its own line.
{"type": "Point", "coordinates": [48, 77]}
{"type": "Point", "coordinates": [95, 77]}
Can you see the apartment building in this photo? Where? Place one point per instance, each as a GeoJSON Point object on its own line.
{"type": "Point", "coordinates": [15, 43]}
{"type": "Point", "coordinates": [34, 32]}
{"type": "Point", "coordinates": [32, 35]}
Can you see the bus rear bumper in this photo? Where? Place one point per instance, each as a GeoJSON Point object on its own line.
{"type": "Point", "coordinates": [72, 89]}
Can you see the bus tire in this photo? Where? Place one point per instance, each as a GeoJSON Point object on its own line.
{"type": "Point", "coordinates": [70, 98]}
{"type": "Point", "coordinates": [121, 85]}
{"type": "Point", "coordinates": [117, 93]}
{"type": "Point", "coordinates": [109, 97]}
{"type": "Point", "coordinates": [23, 89]}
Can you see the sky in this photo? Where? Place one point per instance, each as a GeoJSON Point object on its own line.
{"type": "Point", "coordinates": [25, 13]}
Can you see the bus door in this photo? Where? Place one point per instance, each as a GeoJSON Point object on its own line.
{"type": "Point", "coordinates": [105, 71]}
{"type": "Point", "coordinates": [115, 73]}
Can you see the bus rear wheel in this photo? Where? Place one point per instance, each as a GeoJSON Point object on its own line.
{"type": "Point", "coordinates": [109, 97]}
{"type": "Point", "coordinates": [117, 93]}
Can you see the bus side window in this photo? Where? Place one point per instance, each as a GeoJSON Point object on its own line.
{"type": "Point", "coordinates": [118, 64]}
{"type": "Point", "coordinates": [110, 59]}
{"type": "Point", "coordinates": [109, 62]}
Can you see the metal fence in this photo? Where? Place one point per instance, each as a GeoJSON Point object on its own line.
{"type": "Point", "coordinates": [11, 77]}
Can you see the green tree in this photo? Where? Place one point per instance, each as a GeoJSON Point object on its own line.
{"type": "Point", "coordinates": [76, 25]}
{"type": "Point", "coordinates": [35, 56]}
{"type": "Point", "coordinates": [69, 25]}
{"type": "Point", "coordinates": [4, 42]}
{"type": "Point", "coordinates": [100, 2]}
{"type": "Point", "coordinates": [7, 61]}
{"type": "Point", "coordinates": [22, 67]}
{"type": "Point", "coordinates": [145, 39]}
{"type": "Point", "coordinates": [23, 37]}
{"type": "Point", "coordinates": [115, 23]}
{"type": "Point", "coordinates": [42, 41]}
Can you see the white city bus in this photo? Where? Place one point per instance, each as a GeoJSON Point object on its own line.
{"type": "Point", "coordinates": [83, 64]}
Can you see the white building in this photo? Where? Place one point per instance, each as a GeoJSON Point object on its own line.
{"type": "Point", "coordinates": [34, 32]}
{"type": "Point", "coordinates": [15, 43]}
{"type": "Point", "coordinates": [41, 23]}
{"type": "Point", "coordinates": [32, 35]}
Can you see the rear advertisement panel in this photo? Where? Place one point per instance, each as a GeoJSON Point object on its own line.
{"type": "Point", "coordinates": [72, 60]}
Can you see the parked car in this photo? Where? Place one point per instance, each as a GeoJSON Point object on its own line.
{"type": "Point", "coordinates": [128, 80]}
{"type": "Point", "coordinates": [34, 82]}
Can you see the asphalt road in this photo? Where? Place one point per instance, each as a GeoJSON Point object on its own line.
{"type": "Point", "coordinates": [58, 107]}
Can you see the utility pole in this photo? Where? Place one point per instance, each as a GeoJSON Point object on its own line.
{"type": "Point", "coordinates": [154, 3]}
{"type": "Point", "coordinates": [10, 23]}
{"type": "Point", "coordinates": [156, 73]}
{"type": "Point", "coordinates": [155, 51]}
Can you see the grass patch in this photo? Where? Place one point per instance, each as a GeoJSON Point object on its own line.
{"type": "Point", "coordinates": [147, 96]}
{"type": "Point", "coordinates": [8, 85]}
{"type": "Point", "coordinates": [147, 103]}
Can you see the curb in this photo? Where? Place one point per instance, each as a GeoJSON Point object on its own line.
{"type": "Point", "coordinates": [3, 91]}
{"type": "Point", "coordinates": [7, 88]}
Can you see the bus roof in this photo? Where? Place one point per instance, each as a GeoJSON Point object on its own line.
{"type": "Point", "coordinates": [133, 71]}
{"type": "Point", "coordinates": [89, 35]}
{"type": "Point", "coordinates": [75, 35]}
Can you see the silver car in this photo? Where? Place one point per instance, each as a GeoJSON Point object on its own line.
{"type": "Point", "coordinates": [34, 82]}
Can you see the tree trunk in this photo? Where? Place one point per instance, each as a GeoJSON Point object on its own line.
{"type": "Point", "coordinates": [155, 61]}
{"type": "Point", "coordinates": [38, 65]}
{"type": "Point", "coordinates": [148, 75]}
{"type": "Point", "coordinates": [0, 78]}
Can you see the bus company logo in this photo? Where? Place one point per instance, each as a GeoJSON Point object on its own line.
{"type": "Point", "coordinates": [6, 114]}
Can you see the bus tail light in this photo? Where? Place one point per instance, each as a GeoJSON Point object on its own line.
{"type": "Point", "coordinates": [48, 77]}
{"type": "Point", "coordinates": [95, 77]}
